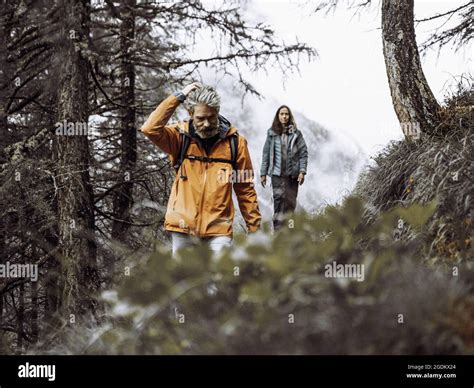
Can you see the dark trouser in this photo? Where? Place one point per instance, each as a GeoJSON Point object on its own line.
{"type": "Point", "coordinates": [285, 191]}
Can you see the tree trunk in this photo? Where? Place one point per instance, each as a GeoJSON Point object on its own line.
{"type": "Point", "coordinates": [414, 103]}
{"type": "Point", "coordinates": [123, 198]}
{"type": "Point", "coordinates": [34, 312]}
{"type": "Point", "coordinates": [51, 284]}
{"type": "Point", "coordinates": [7, 71]}
{"type": "Point", "coordinates": [75, 195]}
{"type": "Point", "coordinates": [20, 317]}
{"type": "Point", "coordinates": [1, 311]}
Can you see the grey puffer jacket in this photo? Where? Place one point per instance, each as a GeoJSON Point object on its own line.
{"type": "Point", "coordinates": [297, 156]}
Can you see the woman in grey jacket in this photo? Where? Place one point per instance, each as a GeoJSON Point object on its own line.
{"type": "Point", "coordinates": [284, 159]}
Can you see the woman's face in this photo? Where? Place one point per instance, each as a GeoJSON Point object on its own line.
{"type": "Point", "coordinates": [284, 116]}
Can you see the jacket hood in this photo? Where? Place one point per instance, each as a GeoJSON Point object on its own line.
{"type": "Point", "coordinates": [225, 127]}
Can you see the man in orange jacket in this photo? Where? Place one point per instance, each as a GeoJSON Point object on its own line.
{"type": "Point", "coordinates": [210, 158]}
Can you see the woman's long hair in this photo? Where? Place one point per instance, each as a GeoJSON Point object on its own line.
{"type": "Point", "coordinates": [277, 126]}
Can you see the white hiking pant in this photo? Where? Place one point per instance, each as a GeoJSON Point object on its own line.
{"type": "Point", "coordinates": [183, 240]}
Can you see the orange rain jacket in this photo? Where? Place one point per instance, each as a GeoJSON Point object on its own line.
{"type": "Point", "coordinates": [202, 204]}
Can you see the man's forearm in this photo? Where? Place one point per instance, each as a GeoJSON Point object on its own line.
{"type": "Point", "coordinates": [155, 128]}
{"type": "Point", "coordinates": [158, 119]}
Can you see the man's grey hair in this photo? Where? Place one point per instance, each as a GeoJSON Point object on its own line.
{"type": "Point", "coordinates": [206, 95]}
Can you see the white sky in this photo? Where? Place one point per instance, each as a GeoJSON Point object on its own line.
{"type": "Point", "coordinates": [346, 88]}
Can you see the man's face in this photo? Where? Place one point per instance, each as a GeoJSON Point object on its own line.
{"type": "Point", "coordinates": [284, 116]}
{"type": "Point", "coordinates": [206, 121]}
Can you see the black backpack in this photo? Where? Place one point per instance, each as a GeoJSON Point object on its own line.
{"type": "Point", "coordinates": [185, 140]}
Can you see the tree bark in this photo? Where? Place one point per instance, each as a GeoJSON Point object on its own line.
{"type": "Point", "coordinates": [7, 70]}
{"type": "Point", "coordinates": [413, 100]}
{"type": "Point", "coordinates": [123, 198]}
{"type": "Point", "coordinates": [20, 317]}
{"type": "Point", "coordinates": [75, 195]}
{"type": "Point", "coordinates": [34, 312]}
{"type": "Point", "coordinates": [1, 314]}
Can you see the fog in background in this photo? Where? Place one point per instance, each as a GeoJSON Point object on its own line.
{"type": "Point", "coordinates": [341, 100]}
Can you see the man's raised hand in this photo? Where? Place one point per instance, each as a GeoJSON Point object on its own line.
{"type": "Point", "coordinates": [189, 88]}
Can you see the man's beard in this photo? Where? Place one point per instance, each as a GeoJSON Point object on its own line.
{"type": "Point", "coordinates": [207, 133]}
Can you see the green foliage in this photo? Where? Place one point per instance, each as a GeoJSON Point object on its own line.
{"type": "Point", "coordinates": [268, 294]}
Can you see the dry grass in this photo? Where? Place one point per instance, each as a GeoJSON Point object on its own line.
{"type": "Point", "coordinates": [438, 166]}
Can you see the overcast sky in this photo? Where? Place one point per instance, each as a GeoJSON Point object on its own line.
{"type": "Point", "coordinates": [346, 88]}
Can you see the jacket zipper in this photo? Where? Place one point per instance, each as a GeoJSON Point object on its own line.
{"type": "Point", "coordinates": [202, 199]}
{"type": "Point", "coordinates": [204, 184]}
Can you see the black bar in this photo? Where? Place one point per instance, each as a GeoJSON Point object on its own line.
{"type": "Point", "coordinates": [291, 371]}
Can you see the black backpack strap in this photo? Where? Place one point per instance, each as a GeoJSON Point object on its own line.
{"type": "Point", "coordinates": [182, 151]}
{"type": "Point", "coordinates": [207, 159]}
{"type": "Point", "coordinates": [234, 147]}
{"type": "Point", "coordinates": [233, 141]}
